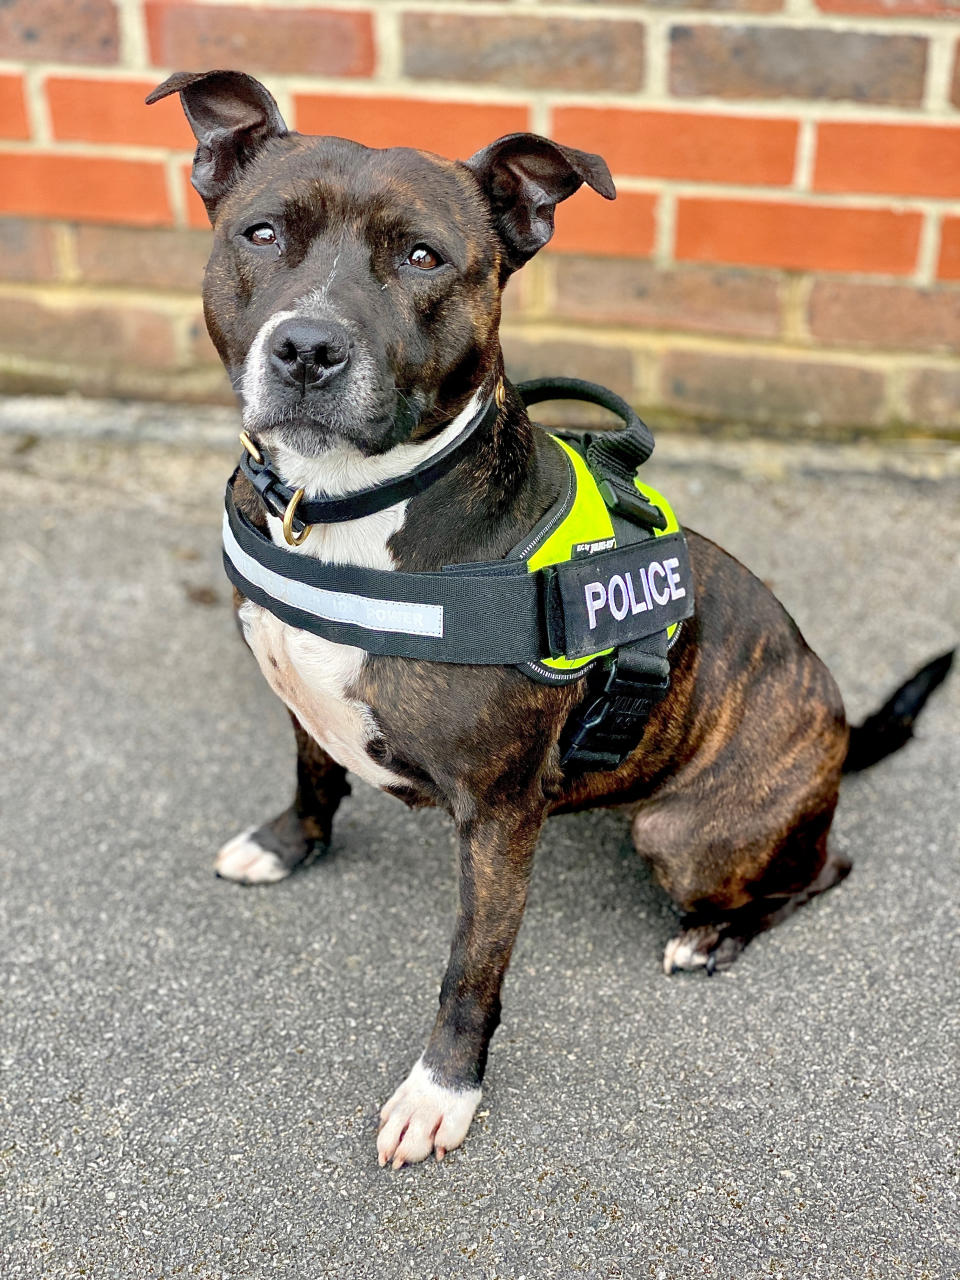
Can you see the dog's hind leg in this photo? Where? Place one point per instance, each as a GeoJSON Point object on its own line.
{"type": "Point", "coordinates": [271, 851]}
{"type": "Point", "coordinates": [712, 944]}
{"type": "Point", "coordinates": [732, 888]}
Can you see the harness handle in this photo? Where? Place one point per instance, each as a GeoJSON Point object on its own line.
{"type": "Point", "coordinates": [612, 456]}
{"type": "Point", "coordinates": [539, 390]}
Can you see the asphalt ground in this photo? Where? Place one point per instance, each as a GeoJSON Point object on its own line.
{"type": "Point", "coordinates": [190, 1071]}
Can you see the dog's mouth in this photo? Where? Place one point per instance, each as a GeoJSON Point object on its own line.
{"type": "Point", "coordinates": [313, 423]}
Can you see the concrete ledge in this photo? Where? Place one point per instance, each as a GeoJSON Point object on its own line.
{"type": "Point", "coordinates": [209, 426]}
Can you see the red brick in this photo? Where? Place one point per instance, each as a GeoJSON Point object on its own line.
{"type": "Point", "coordinates": [933, 399]}
{"type": "Point", "coordinates": [13, 108]}
{"type": "Point", "coordinates": [530, 52]}
{"type": "Point", "coordinates": [589, 224]}
{"type": "Point", "coordinates": [28, 250]}
{"type": "Point", "coordinates": [892, 8]}
{"type": "Point", "coordinates": [668, 144]}
{"type": "Point", "coordinates": [114, 111]}
{"type": "Point", "coordinates": [157, 259]}
{"type": "Point", "coordinates": [82, 31]}
{"type": "Point", "coordinates": [903, 159]}
{"type": "Point", "coordinates": [789, 62]}
{"type": "Point", "coordinates": [87, 334]}
{"type": "Point", "coordinates": [326, 42]}
{"type": "Point", "coordinates": [84, 188]}
{"type": "Point", "coordinates": [798, 236]}
{"type": "Point", "coordinates": [949, 266]}
{"type": "Point", "coordinates": [895, 316]}
{"type": "Point", "coordinates": [779, 391]}
{"type": "Point", "coordinates": [518, 298]}
{"type": "Point", "coordinates": [700, 299]}
{"type": "Point", "coordinates": [448, 128]}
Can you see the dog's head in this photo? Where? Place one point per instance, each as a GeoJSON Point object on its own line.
{"type": "Point", "coordinates": [354, 294]}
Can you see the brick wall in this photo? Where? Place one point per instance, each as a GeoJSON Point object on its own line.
{"type": "Point", "coordinates": [785, 249]}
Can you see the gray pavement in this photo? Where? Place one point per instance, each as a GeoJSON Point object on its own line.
{"type": "Point", "coordinates": [190, 1071]}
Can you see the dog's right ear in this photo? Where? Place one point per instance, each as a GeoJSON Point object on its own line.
{"type": "Point", "coordinates": [231, 116]}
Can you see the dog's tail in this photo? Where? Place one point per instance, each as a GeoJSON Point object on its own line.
{"type": "Point", "coordinates": [888, 729]}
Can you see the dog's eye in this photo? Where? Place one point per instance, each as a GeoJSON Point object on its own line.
{"type": "Point", "coordinates": [262, 234]}
{"type": "Point", "coordinates": [422, 256]}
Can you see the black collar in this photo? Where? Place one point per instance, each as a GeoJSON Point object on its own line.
{"type": "Point", "coordinates": [298, 513]}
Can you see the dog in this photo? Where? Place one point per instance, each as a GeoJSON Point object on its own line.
{"type": "Point", "coordinates": [354, 297]}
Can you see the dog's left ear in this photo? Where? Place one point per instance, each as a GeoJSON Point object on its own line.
{"type": "Point", "coordinates": [525, 177]}
{"type": "Point", "coordinates": [231, 116]}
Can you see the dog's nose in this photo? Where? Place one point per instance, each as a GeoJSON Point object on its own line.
{"type": "Point", "coordinates": [309, 352]}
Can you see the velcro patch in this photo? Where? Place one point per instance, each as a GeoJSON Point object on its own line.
{"type": "Point", "coordinates": [615, 597]}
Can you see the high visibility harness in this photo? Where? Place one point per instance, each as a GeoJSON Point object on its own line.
{"type": "Point", "coordinates": [597, 589]}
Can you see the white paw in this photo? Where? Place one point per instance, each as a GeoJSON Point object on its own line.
{"type": "Point", "coordinates": [242, 859]}
{"type": "Point", "coordinates": [423, 1116]}
{"type": "Point", "coordinates": [681, 953]}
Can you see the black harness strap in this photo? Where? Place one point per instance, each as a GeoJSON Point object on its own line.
{"type": "Point", "coordinates": [439, 617]}
{"type": "Point", "coordinates": [604, 729]}
{"type": "Point", "coordinates": [539, 390]}
{"type": "Point", "coordinates": [612, 456]}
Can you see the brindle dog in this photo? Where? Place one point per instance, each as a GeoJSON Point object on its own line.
{"type": "Point", "coordinates": [354, 297]}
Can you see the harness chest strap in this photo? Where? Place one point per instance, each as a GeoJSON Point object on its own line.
{"type": "Point", "coordinates": [489, 614]}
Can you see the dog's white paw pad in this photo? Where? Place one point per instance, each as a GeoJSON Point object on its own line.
{"type": "Point", "coordinates": [706, 947]}
{"type": "Point", "coordinates": [682, 952]}
{"type": "Point", "coordinates": [243, 860]}
{"type": "Point", "coordinates": [424, 1116]}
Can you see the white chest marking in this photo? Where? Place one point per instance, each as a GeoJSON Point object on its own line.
{"type": "Point", "coordinates": [312, 675]}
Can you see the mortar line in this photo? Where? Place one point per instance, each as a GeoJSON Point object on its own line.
{"type": "Point", "coordinates": [38, 111]}
{"type": "Point", "coordinates": [928, 253]}
{"type": "Point", "coordinates": [936, 98]}
{"type": "Point", "coordinates": [133, 44]}
{"type": "Point", "coordinates": [806, 155]}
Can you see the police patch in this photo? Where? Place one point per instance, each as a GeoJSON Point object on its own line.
{"type": "Point", "coordinates": [615, 597]}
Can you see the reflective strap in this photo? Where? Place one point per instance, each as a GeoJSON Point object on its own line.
{"type": "Point", "coordinates": [401, 617]}
{"type": "Point", "coordinates": [458, 616]}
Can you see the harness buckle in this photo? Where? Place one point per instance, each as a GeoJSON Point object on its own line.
{"type": "Point", "coordinates": [628, 502]}
{"type": "Point", "coordinates": [614, 457]}
{"type": "Point", "coordinates": [255, 468]}
{"type": "Point", "coordinates": [610, 726]}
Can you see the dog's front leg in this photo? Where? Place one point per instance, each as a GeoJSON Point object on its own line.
{"type": "Point", "coordinates": [273, 850]}
{"type": "Point", "coordinates": [432, 1109]}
